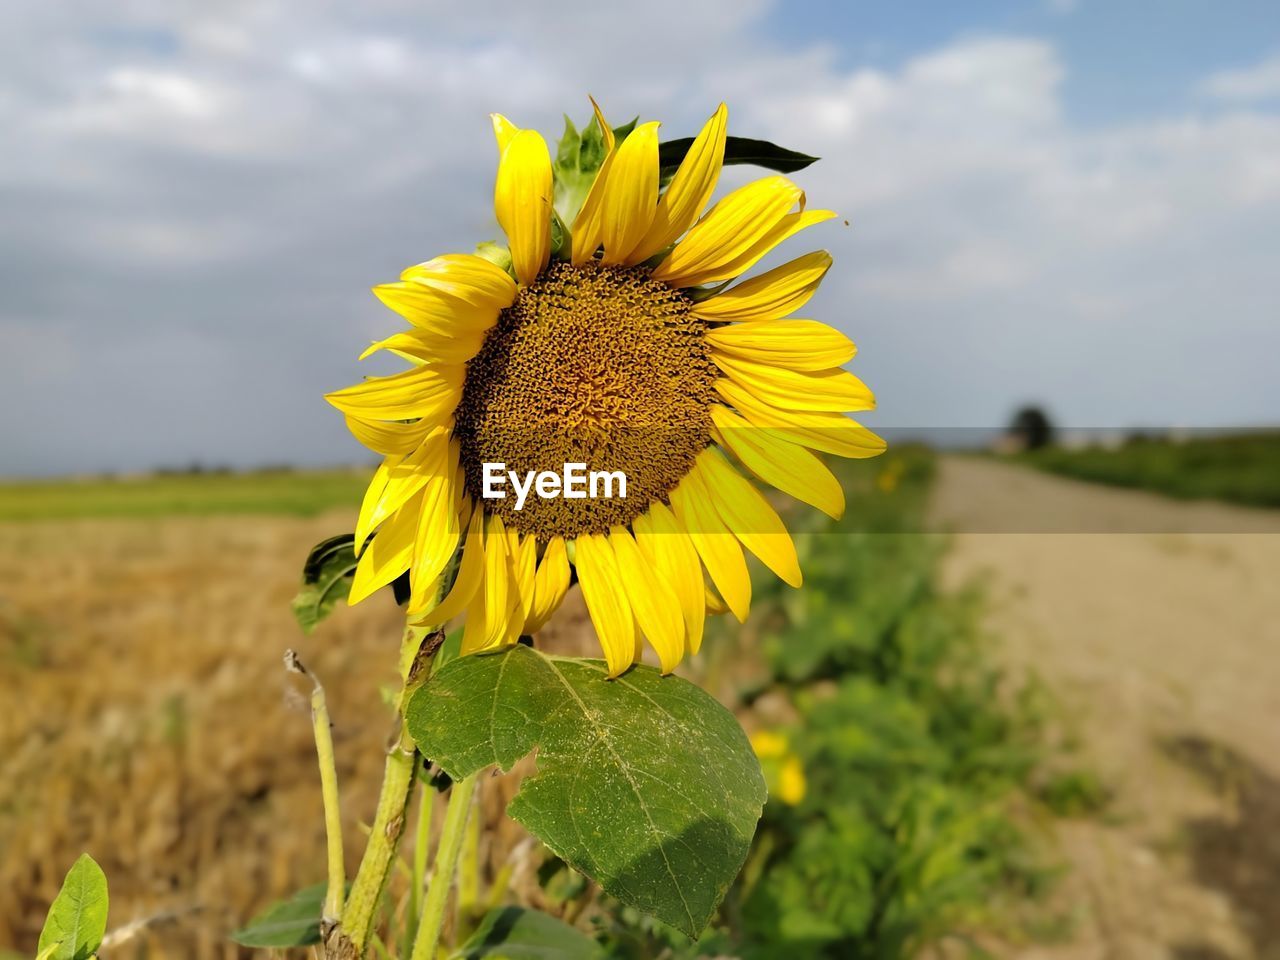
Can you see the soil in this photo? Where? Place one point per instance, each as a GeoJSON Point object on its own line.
{"type": "Point", "coordinates": [1157, 634]}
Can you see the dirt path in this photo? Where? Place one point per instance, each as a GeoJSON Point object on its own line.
{"type": "Point", "coordinates": [1163, 648]}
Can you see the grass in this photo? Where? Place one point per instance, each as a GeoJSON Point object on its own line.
{"type": "Point", "coordinates": [1240, 469]}
{"type": "Point", "coordinates": [279, 492]}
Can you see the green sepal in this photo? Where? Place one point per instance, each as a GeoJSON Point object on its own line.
{"type": "Point", "coordinates": [579, 155]}
{"type": "Point", "coordinates": [737, 150]}
{"type": "Point", "coordinates": [496, 254]}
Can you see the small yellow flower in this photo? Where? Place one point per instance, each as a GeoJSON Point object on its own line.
{"type": "Point", "coordinates": [783, 771]}
{"type": "Point", "coordinates": [622, 351]}
{"type": "Point", "coordinates": [889, 477]}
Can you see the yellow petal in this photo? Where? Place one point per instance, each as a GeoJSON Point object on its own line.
{"type": "Point", "coordinates": [438, 530]}
{"type": "Point", "coordinates": [770, 296]}
{"type": "Point", "coordinates": [388, 439]}
{"type": "Point", "coordinates": [747, 513]}
{"type": "Point", "coordinates": [476, 629]}
{"type": "Point", "coordinates": [429, 347]}
{"type": "Point", "coordinates": [549, 585]}
{"type": "Point", "coordinates": [524, 566]}
{"type": "Point", "coordinates": [388, 555]}
{"type": "Point", "coordinates": [466, 277]}
{"type": "Point", "coordinates": [588, 225]}
{"type": "Point", "coordinates": [503, 130]}
{"type": "Point", "coordinates": [790, 468]}
{"type": "Point", "coordinates": [831, 390]}
{"type": "Point", "coordinates": [716, 545]}
{"type": "Point", "coordinates": [668, 547]}
{"type": "Point", "coordinates": [398, 479]}
{"type": "Point", "coordinates": [729, 229]}
{"type": "Point", "coordinates": [654, 603]}
{"type": "Point", "coordinates": [630, 193]}
{"type": "Point", "coordinates": [498, 588]}
{"type": "Point", "coordinates": [795, 344]}
{"type": "Point", "coordinates": [427, 392]}
{"type": "Point", "coordinates": [689, 190]}
{"type": "Point", "coordinates": [606, 599]}
{"type": "Point", "coordinates": [715, 605]}
{"type": "Point", "coordinates": [522, 201]}
{"type": "Point", "coordinates": [816, 429]}
{"type": "Point", "coordinates": [470, 573]}
{"type": "Point", "coordinates": [435, 311]}
{"type": "Point", "coordinates": [606, 131]}
{"type": "Point", "coordinates": [787, 227]}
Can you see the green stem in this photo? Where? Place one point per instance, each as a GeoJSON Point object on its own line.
{"type": "Point", "coordinates": [393, 802]}
{"type": "Point", "coordinates": [455, 821]}
{"type": "Point", "coordinates": [421, 851]}
{"type": "Point", "coordinates": [384, 839]}
{"type": "Point", "coordinates": [421, 846]}
{"type": "Point", "coordinates": [332, 810]}
{"type": "Point", "coordinates": [322, 729]}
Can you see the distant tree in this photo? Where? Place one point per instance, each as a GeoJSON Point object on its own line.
{"type": "Point", "coordinates": [1031, 429]}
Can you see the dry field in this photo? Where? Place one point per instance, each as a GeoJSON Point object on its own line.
{"type": "Point", "coordinates": [147, 719]}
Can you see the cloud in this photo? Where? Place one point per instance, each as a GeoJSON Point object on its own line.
{"type": "Point", "coordinates": [196, 206]}
{"type": "Point", "coordinates": [1260, 81]}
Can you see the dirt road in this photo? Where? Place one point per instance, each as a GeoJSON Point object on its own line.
{"type": "Point", "coordinates": [1160, 642]}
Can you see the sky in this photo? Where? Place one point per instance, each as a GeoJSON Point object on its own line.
{"type": "Point", "coordinates": [1066, 202]}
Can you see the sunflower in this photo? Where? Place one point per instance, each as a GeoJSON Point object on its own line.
{"type": "Point", "coordinates": [615, 341]}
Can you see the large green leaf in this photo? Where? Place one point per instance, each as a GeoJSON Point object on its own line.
{"type": "Point", "coordinates": [77, 919]}
{"type": "Point", "coordinates": [645, 783]}
{"type": "Point", "coordinates": [744, 150]}
{"type": "Point", "coordinates": [290, 923]}
{"type": "Point", "coordinates": [326, 579]}
{"type": "Point", "coordinates": [512, 933]}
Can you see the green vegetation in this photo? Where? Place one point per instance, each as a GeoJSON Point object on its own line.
{"type": "Point", "coordinates": [280, 492]}
{"type": "Point", "coordinates": [1241, 469]}
{"type": "Point", "coordinates": [916, 752]}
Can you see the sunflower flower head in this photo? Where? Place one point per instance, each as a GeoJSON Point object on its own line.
{"type": "Point", "coordinates": [609, 333]}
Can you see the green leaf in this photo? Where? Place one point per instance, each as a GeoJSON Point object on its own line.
{"type": "Point", "coordinates": [77, 920]}
{"type": "Point", "coordinates": [326, 579]}
{"type": "Point", "coordinates": [513, 933]}
{"type": "Point", "coordinates": [645, 783]}
{"type": "Point", "coordinates": [737, 150]}
{"type": "Point", "coordinates": [290, 923]}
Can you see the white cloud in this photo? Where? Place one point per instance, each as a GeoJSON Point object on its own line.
{"type": "Point", "coordinates": [213, 195]}
{"type": "Point", "coordinates": [1260, 81]}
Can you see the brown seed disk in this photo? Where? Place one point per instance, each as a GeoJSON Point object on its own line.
{"type": "Point", "coordinates": [592, 364]}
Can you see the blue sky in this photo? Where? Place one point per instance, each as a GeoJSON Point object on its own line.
{"type": "Point", "coordinates": [1125, 58]}
{"type": "Point", "coordinates": [1074, 203]}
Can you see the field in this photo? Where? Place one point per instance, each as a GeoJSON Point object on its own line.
{"type": "Point", "coordinates": [279, 492]}
{"type": "Point", "coordinates": [150, 723]}
{"type": "Point", "coordinates": [1242, 469]}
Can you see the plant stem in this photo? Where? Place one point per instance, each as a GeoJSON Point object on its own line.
{"type": "Point", "coordinates": [455, 821]}
{"type": "Point", "coordinates": [416, 650]}
{"type": "Point", "coordinates": [421, 851]}
{"type": "Point", "coordinates": [323, 731]}
{"type": "Point", "coordinates": [332, 811]}
{"type": "Point", "coordinates": [384, 838]}
{"type": "Point", "coordinates": [469, 870]}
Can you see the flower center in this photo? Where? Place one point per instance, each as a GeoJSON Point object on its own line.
{"type": "Point", "coordinates": [596, 365]}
